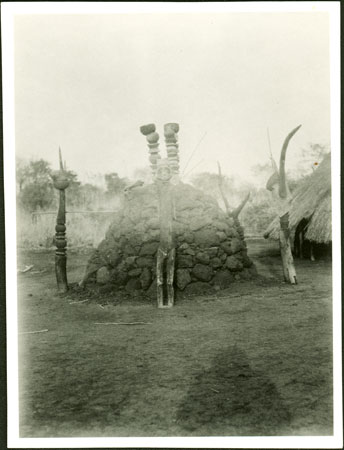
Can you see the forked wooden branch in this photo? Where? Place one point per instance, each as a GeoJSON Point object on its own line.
{"type": "Point", "coordinates": [283, 188]}
{"type": "Point", "coordinates": [220, 178]}
{"type": "Point", "coordinates": [235, 213]}
{"type": "Point", "coordinates": [283, 201]}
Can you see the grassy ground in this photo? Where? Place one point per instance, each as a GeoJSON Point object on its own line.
{"type": "Point", "coordinates": [254, 360]}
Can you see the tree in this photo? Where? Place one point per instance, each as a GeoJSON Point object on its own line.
{"type": "Point", "coordinates": [90, 197]}
{"type": "Point", "coordinates": [209, 183]}
{"type": "Point", "coordinates": [144, 174]}
{"type": "Point", "coordinates": [21, 173]}
{"type": "Point", "coordinates": [261, 172]}
{"type": "Point", "coordinates": [35, 186]}
{"type": "Point", "coordinates": [310, 158]}
{"type": "Point", "coordinates": [258, 213]}
{"type": "Point", "coordinates": [114, 184]}
{"type": "Point", "coordinates": [74, 191]}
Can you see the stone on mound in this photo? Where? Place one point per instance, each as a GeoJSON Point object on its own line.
{"type": "Point", "coordinates": [209, 244]}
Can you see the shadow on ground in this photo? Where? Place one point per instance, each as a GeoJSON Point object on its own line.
{"type": "Point", "coordinates": [232, 394]}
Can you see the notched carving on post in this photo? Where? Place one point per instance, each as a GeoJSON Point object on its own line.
{"type": "Point", "coordinates": [61, 182]}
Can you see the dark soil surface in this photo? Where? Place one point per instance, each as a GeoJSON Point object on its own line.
{"type": "Point", "coordinates": [255, 359]}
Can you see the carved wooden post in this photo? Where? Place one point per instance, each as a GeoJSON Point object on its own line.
{"type": "Point", "coordinates": [279, 187]}
{"type": "Point", "coordinates": [153, 145]}
{"type": "Point", "coordinates": [172, 147]}
{"type": "Point", "coordinates": [166, 250]}
{"type": "Point", "coordinates": [61, 183]}
{"type": "Point", "coordinates": [163, 172]}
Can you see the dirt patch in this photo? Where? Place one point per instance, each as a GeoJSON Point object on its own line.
{"type": "Point", "coordinates": [263, 344]}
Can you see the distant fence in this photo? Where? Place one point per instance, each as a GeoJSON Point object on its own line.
{"type": "Point", "coordinates": [92, 215]}
{"type": "Point", "coordinates": [85, 228]}
{"type": "Point", "coordinates": [35, 214]}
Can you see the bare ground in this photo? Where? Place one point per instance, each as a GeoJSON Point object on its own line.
{"type": "Point", "coordinates": [255, 359]}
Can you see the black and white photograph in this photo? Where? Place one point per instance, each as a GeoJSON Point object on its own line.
{"type": "Point", "coordinates": [172, 219]}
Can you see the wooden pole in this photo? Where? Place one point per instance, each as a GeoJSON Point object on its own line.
{"type": "Point", "coordinates": [166, 250]}
{"type": "Point", "coordinates": [279, 186]}
{"type": "Point", "coordinates": [301, 244]}
{"type": "Point", "coordinates": [220, 182]}
{"type": "Point", "coordinates": [164, 170]}
{"type": "Point", "coordinates": [286, 254]}
{"type": "Point", "coordinates": [172, 147]}
{"type": "Point", "coordinates": [153, 145]}
{"type": "Point", "coordinates": [61, 183]}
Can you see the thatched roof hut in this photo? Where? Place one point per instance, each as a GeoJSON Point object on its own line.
{"type": "Point", "coordinates": [311, 203]}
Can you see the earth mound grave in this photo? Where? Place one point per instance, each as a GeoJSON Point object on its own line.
{"type": "Point", "coordinates": [210, 245]}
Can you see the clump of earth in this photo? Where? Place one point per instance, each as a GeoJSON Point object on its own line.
{"type": "Point", "coordinates": [210, 247]}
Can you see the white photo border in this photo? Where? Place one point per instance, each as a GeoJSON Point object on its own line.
{"type": "Point", "coordinates": [8, 12]}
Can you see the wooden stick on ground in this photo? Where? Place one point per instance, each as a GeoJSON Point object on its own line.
{"type": "Point", "coordinates": [122, 323]}
{"type": "Point", "coordinates": [32, 332]}
{"type": "Point", "coordinates": [27, 268]}
{"type": "Point", "coordinates": [80, 301]}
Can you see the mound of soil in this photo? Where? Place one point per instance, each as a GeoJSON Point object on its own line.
{"type": "Point", "coordinates": [210, 246]}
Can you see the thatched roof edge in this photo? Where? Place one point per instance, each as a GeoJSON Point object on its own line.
{"type": "Point", "coordinates": [312, 201]}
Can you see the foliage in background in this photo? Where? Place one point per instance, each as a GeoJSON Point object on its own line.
{"type": "Point", "coordinates": [259, 211]}
{"type": "Point", "coordinates": [114, 184]}
{"type": "Point", "coordinates": [209, 183]}
{"type": "Point", "coordinates": [35, 192]}
{"type": "Point", "coordinates": [311, 157]}
{"type": "Point", "coordinates": [83, 230]}
{"type": "Point", "coordinates": [35, 186]}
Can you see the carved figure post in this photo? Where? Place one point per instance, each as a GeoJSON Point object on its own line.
{"type": "Point", "coordinates": [172, 147]}
{"type": "Point", "coordinates": [61, 183]}
{"type": "Point", "coordinates": [153, 145]}
{"type": "Point", "coordinates": [166, 249]}
{"type": "Point", "coordinates": [163, 172]}
{"type": "Point", "coordinates": [278, 185]}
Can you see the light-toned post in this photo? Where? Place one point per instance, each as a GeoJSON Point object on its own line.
{"type": "Point", "coordinates": [279, 187]}
{"type": "Point", "coordinates": [61, 183]}
{"type": "Point", "coordinates": [153, 145]}
{"type": "Point", "coordinates": [166, 249]}
{"type": "Point", "coordinates": [172, 147]}
{"type": "Point", "coordinates": [163, 171]}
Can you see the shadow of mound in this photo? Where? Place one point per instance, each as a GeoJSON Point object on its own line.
{"type": "Point", "coordinates": [231, 398]}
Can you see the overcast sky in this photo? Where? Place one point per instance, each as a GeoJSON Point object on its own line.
{"type": "Point", "coordinates": [87, 82]}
